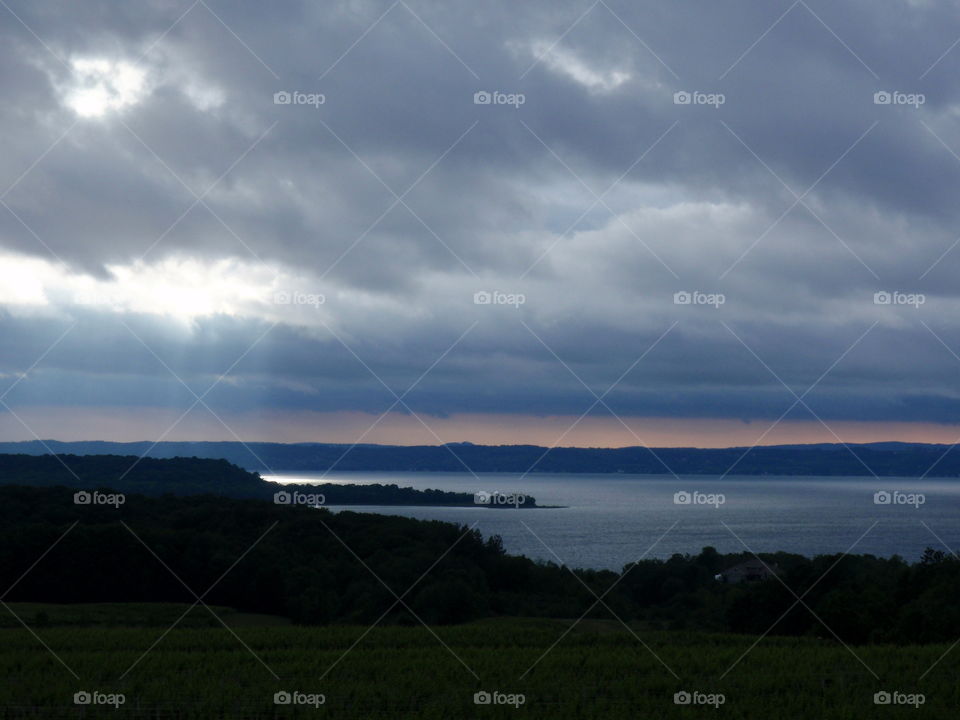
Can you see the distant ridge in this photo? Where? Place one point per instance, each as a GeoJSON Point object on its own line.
{"type": "Point", "coordinates": [884, 459]}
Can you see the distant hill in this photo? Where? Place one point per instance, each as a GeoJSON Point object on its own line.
{"type": "Point", "coordinates": [882, 459]}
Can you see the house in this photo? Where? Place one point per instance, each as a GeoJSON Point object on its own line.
{"type": "Point", "coordinates": [750, 571]}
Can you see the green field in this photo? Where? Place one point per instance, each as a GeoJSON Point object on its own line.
{"type": "Point", "coordinates": [599, 670]}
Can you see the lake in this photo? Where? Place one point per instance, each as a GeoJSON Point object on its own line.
{"type": "Point", "coordinates": [610, 520]}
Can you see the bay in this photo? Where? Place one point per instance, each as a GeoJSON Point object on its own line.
{"type": "Point", "coordinates": [610, 520]}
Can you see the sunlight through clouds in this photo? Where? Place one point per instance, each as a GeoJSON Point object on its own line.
{"type": "Point", "coordinates": [100, 85]}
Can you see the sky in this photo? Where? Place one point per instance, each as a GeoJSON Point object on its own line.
{"type": "Point", "coordinates": [692, 223]}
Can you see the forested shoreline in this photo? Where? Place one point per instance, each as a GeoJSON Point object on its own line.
{"type": "Point", "coordinates": [318, 567]}
{"type": "Point", "coordinates": [193, 476]}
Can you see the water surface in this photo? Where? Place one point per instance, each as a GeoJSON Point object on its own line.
{"type": "Point", "coordinates": [610, 520]}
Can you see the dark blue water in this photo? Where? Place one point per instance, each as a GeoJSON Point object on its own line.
{"type": "Point", "coordinates": [611, 520]}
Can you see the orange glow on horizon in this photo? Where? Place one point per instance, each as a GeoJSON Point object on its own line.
{"type": "Point", "coordinates": [134, 424]}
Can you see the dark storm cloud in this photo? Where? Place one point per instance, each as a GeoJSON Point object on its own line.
{"type": "Point", "coordinates": [499, 198]}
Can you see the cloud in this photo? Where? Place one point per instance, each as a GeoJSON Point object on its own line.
{"type": "Point", "coordinates": [573, 67]}
{"type": "Point", "coordinates": [152, 188]}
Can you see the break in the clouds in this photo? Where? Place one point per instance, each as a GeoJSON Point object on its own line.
{"type": "Point", "coordinates": [692, 210]}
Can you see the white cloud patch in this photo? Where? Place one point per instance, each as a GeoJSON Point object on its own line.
{"type": "Point", "coordinates": [569, 64]}
{"type": "Point", "coordinates": [181, 288]}
{"type": "Point", "coordinates": [99, 85]}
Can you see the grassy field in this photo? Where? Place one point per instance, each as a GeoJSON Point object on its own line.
{"type": "Point", "coordinates": [599, 670]}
